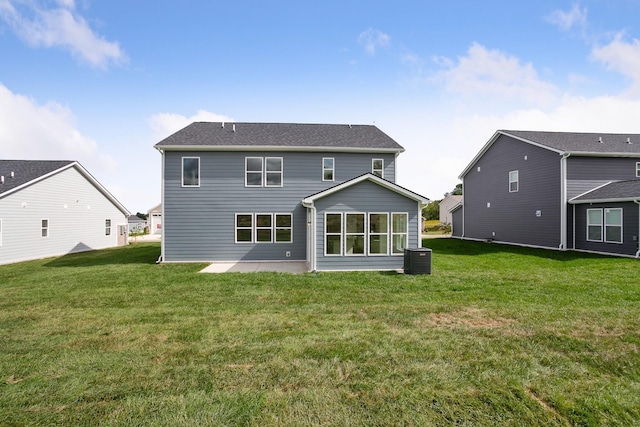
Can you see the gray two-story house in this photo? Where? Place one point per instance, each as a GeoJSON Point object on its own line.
{"type": "Point", "coordinates": [557, 190]}
{"type": "Point", "coordinates": [321, 194]}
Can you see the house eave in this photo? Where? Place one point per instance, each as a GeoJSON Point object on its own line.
{"type": "Point", "coordinates": [611, 200]}
{"type": "Point", "coordinates": [281, 148]}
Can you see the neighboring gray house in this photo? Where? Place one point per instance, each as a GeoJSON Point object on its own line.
{"type": "Point", "coordinates": [50, 208]}
{"type": "Point", "coordinates": [557, 190]}
{"type": "Point", "coordinates": [446, 205]}
{"type": "Point", "coordinates": [316, 193]}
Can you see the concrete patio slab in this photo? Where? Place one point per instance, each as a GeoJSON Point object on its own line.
{"type": "Point", "coordinates": [295, 267]}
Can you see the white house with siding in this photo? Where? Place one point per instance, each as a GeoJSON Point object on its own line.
{"type": "Point", "coordinates": [52, 208]}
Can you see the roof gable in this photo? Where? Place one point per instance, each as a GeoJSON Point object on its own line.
{"type": "Point", "coordinates": [572, 143]}
{"type": "Point", "coordinates": [28, 172]}
{"type": "Point", "coordinates": [308, 201]}
{"type": "Point", "coordinates": [279, 136]}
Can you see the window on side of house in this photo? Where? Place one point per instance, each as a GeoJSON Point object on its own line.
{"type": "Point", "coordinates": [354, 234]}
{"type": "Point", "coordinates": [333, 234]}
{"type": "Point", "coordinates": [378, 234]}
{"type": "Point", "coordinates": [107, 227]}
{"type": "Point", "coordinates": [613, 225]}
{"type": "Point", "coordinates": [513, 181]}
{"type": "Point", "coordinates": [594, 225]}
{"type": "Point", "coordinates": [253, 171]}
{"type": "Point", "coordinates": [0, 232]}
{"type": "Point", "coordinates": [244, 228]}
{"type": "Point", "coordinates": [637, 169]}
{"type": "Point", "coordinates": [399, 232]}
{"type": "Point", "coordinates": [328, 168]}
{"type": "Point", "coordinates": [44, 226]}
{"type": "Point", "coordinates": [284, 228]}
{"type": "Point", "coordinates": [264, 228]}
{"type": "Point", "coordinates": [273, 171]}
{"type": "Point", "coordinates": [191, 171]}
{"type": "Point", "coordinates": [377, 167]}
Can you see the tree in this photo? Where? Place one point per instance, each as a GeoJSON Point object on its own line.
{"type": "Point", "coordinates": [141, 215]}
{"type": "Point", "coordinates": [458, 190]}
{"type": "Point", "coordinates": [431, 211]}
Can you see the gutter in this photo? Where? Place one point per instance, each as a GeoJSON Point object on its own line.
{"type": "Point", "coordinates": [563, 202]}
{"type": "Point", "coordinates": [311, 237]}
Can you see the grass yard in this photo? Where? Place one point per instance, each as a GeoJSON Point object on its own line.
{"type": "Point", "coordinates": [497, 335]}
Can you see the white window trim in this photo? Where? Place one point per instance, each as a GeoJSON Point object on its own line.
{"type": "Point", "coordinates": [373, 170]}
{"type": "Point", "coordinates": [256, 228]}
{"type": "Point", "coordinates": [236, 228]}
{"type": "Point", "coordinates": [637, 169]}
{"type": "Point", "coordinates": [42, 227]}
{"type": "Point", "coordinates": [517, 181]}
{"type": "Point", "coordinates": [339, 234]}
{"type": "Point", "coordinates": [246, 172]}
{"type": "Point", "coordinates": [332, 169]}
{"type": "Point", "coordinates": [601, 225]}
{"type": "Point", "coordinates": [369, 234]}
{"type": "Point", "coordinates": [364, 233]}
{"type": "Point", "coordinates": [604, 227]}
{"type": "Point", "coordinates": [405, 233]}
{"type": "Point", "coordinates": [182, 172]}
{"type": "Point", "coordinates": [276, 228]}
{"type": "Point", "coordinates": [265, 171]}
{"type": "Point", "coordinates": [107, 227]}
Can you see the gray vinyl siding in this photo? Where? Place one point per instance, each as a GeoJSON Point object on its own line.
{"type": "Point", "coordinates": [199, 223]}
{"type": "Point", "coordinates": [365, 197]}
{"type": "Point", "coordinates": [76, 211]}
{"type": "Point", "coordinates": [587, 173]}
{"type": "Point", "coordinates": [511, 216]}
{"type": "Point", "coordinates": [456, 222]}
{"type": "Point", "coordinates": [630, 230]}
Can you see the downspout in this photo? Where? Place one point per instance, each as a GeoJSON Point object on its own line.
{"type": "Point", "coordinates": [162, 239]}
{"type": "Point", "coordinates": [637, 202]}
{"type": "Point", "coordinates": [563, 201]}
{"type": "Point", "coordinates": [311, 238]}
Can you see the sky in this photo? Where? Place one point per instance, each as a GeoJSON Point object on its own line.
{"type": "Point", "coordinates": [102, 82]}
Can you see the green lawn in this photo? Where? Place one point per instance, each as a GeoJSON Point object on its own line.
{"type": "Point", "coordinates": [497, 335]}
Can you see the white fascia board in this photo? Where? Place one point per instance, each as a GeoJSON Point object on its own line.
{"type": "Point", "coordinates": [618, 200]}
{"type": "Point", "coordinates": [276, 148]}
{"type": "Point", "coordinates": [599, 154]}
{"type": "Point", "coordinates": [308, 201]}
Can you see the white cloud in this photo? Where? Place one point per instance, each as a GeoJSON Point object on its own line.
{"type": "Point", "coordinates": [492, 72]}
{"type": "Point", "coordinates": [622, 57]}
{"type": "Point", "coordinates": [165, 124]}
{"type": "Point", "coordinates": [566, 21]}
{"type": "Point", "coordinates": [60, 27]}
{"type": "Point", "coordinates": [372, 40]}
{"type": "Point", "coordinates": [44, 132]}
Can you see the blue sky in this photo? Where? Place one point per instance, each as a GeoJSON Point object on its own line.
{"type": "Point", "coordinates": [101, 82]}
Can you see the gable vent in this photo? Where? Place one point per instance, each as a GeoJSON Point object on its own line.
{"type": "Point", "coordinates": [600, 140]}
{"type": "Point", "coordinates": [629, 141]}
{"type": "Point", "coordinates": [13, 174]}
{"type": "Point", "coordinates": [2, 179]}
{"type": "Point", "coordinates": [234, 127]}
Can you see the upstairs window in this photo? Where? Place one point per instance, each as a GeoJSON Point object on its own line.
{"type": "Point", "coordinates": [191, 171]}
{"type": "Point", "coordinates": [377, 167]}
{"type": "Point", "coordinates": [513, 181]}
{"type": "Point", "coordinates": [263, 172]}
{"type": "Point", "coordinates": [638, 170]}
{"type": "Point", "coordinates": [328, 168]}
{"type": "Point", "coordinates": [44, 226]}
{"type": "Point", "coordinates": [107, 227]}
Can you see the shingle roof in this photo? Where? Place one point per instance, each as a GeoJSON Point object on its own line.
{"type": "Point", "coordinates": [210, 135]}
{"type": "Point", "coordinates": [613, 191]}
{"type": "Point", "coordinates": [576, 142]}
{"type": "Point", "coordinates": [25, 171]}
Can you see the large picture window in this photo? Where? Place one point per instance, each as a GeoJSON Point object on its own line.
{"type": "Point", "coordinates": [360, 234]}
{"type": "Point", "coordinates": [333, 233]}
{"type": "Point", "coordinates": [378, 234]}
{"type": "Point", "coordinates": [513, 181]}
{"type": "Point", "coordinates": [399, 232]}
{"type": "Point", "coordinates": [191, 171]}
{"type": "Point", "coordinates": [264, 228]}
{"type": "Point", "coordinates": [613, 225]}
{"type": "Point", "coordinates": [354, 234]}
